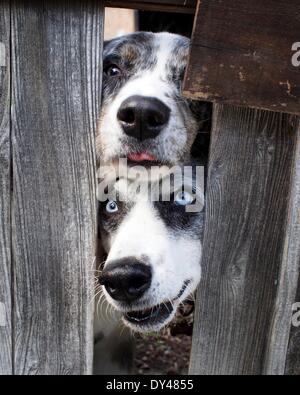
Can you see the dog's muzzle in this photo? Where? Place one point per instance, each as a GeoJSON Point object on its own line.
{"type": "Point", "coordinates": [143, 117]}
{"type": "Point", "coordinates": [126, 280]}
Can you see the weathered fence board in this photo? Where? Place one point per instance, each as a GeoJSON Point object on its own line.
{"type": "Point", "coordinates": [251, 163]}
{"type": "Point", "coordinates": [293, 355]}
{"type": "Point", "coordinates": [183, 6]}
{"type": "Point", "coordinates": [242, 54]}
{"type": "Point", "coordinates": [279, 336]}
{"type": "Point", "coordinates": [56, 85]}
{"type": "Point", "coordinates": [5, 198]}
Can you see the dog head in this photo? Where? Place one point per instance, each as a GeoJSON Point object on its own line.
{"type": "Point", "coordinates": [144, 117]}
{"type": "Point", "coordinates": [154, 251]}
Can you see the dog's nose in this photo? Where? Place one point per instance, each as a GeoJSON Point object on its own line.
{"type": "Point", "coordinates": [143, 117]}
{"type": "Point", "coordinates": [126, 281]}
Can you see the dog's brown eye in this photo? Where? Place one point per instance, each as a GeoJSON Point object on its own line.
{"type": "Point", "coordinates": [113, 71]}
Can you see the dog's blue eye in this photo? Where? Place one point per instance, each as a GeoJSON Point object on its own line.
{"type": "Point", "coordinates": [113, 71]}
{"type": "Point", "coordinates": [184, 199]}
{"type": "Point", "coordinates": [112, 207]}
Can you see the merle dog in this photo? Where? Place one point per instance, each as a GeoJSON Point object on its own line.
{"type": "Point", "coordinates": [144, 116]}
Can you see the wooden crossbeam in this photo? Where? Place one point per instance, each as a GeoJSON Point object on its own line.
{"type": "Point", "coordinates": [183, 6]}
{"type": "Point", "coordinates": [245, 53]}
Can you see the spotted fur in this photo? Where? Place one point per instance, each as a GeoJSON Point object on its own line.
{"type": "Point", "coordinates": [151, 65]}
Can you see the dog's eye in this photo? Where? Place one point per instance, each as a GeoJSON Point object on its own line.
{"type": "Point", "coordinates": [113, 71]}
{"type": "Point", "coordinates": [184, 198]}
{"type": "Point", "coordinates": [112, 207]}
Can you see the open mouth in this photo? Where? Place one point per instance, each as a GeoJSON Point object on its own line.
{"type": "Point", "coordinates": [155, 316]}
{"type": "Point", "coordinates": [150, 317]}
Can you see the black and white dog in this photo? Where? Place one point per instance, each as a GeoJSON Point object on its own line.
{"type": "Point", "coordinates": [154, 250]}
{"type": "Point", "coordinates": [144, 116]}
{"type": "Point", "coordinates": [153, 247]}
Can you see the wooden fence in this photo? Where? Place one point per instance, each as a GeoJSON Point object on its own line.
{"type": "Point", "coordinates": [50, 91]}
{"type": "Point", "coordinates": [49, 104]}
{"type": "Point", "coordinates": [242, 56]}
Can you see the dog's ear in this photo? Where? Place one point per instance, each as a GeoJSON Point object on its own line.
{"type": "Point", "coordinates": [106, 44]}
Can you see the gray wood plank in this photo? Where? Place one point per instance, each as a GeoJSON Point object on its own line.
{"type": "Point", "coordinates": [5, 195]}
{"type": "Point", "coordinates": [251, 163]}
{"type": "Point", "coordinates": [293, 354]}
{"type": "Point", "coordinates": [56, 85]}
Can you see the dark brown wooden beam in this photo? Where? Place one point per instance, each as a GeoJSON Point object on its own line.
{"type": "Point", "coordinates": [242, 54]}
{"type": "Point", "coordinates": [183, 6]}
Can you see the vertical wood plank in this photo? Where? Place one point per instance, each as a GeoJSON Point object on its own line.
{"type": "Point", "coordinates": [5, 193]}
{"type": "Point", "coordinates": [56, 83]}
{"type": "Point", "coordinates": [280, 331]}
{"type": "Point", "coordinates": [293, 353]}
{"type": "Point", "coordinates": [250, 168]}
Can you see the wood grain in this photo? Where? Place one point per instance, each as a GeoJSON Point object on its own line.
{"type": "Point", "coordinates": [293, 355]}
{"type": "Point", "coordinates": [251, 162]}
{"type": "Point", "coordinates": [182, 6]}
{"type": "Point", "coordinates": [5, 194]}
{"type": "Point", "coordinates": [56, 85]}
{"type": "Point", "coordinates": [242, 54]}
{"type": "Point", "coordinates": [280, 331]}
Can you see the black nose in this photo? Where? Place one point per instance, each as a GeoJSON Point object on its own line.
{"type": "Point", "coordinates": [143, 117]}
{"type": "Point", "coordinates": [126, 280]}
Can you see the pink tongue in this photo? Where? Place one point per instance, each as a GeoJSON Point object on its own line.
{"type": "Point", "coordinates": [141, 157]}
